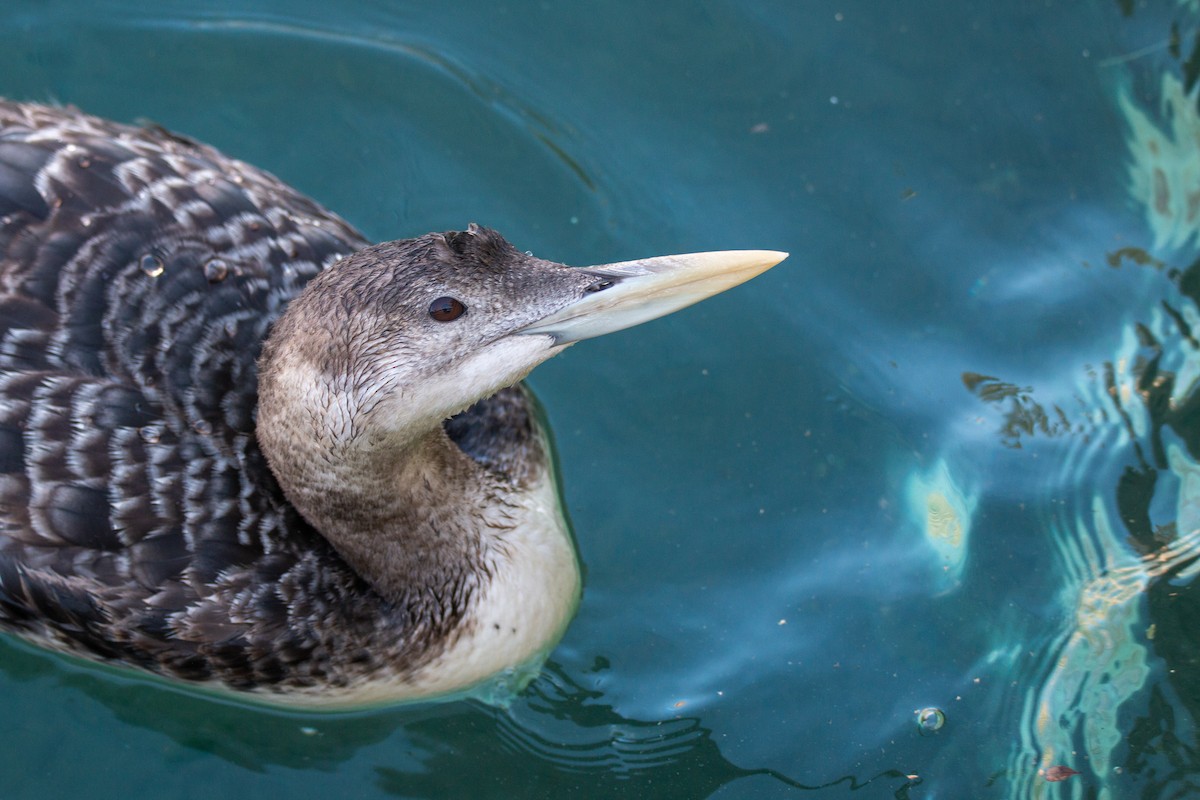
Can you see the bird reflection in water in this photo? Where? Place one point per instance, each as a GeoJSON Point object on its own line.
{"type": "Point", "coordinates": [571, 741]}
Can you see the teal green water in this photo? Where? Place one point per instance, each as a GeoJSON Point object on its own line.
{"type": "Point", "coordinates": [946, 455]}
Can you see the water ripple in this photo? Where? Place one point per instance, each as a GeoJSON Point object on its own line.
{"type": "Point", "coordinates": [571, 742]}
{"type": "Point", "coordinates": [553, 136]}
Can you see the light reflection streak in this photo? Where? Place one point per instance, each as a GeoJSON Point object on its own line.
{"type": "Point", "coordinates": [942, 511]}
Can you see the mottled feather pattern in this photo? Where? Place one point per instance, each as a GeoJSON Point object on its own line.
{"type": "Point", "coordinates": [139, 275]}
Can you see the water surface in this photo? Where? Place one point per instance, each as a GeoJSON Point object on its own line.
{"type": "Point", "coordinates": [944, 456]}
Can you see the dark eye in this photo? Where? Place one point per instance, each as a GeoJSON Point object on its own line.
{"type": "Point", "coordinates": [446, 309]}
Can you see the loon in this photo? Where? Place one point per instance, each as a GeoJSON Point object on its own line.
{"type": "Point", "coordinates": [243, 447]}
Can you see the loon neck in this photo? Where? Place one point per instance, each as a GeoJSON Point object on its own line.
{"type": "Point", "coordinates": [481, 573]}
{"type": "Point", "coordinates": [414, 520]}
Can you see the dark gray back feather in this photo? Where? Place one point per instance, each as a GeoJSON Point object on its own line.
{"type": "Point", "coordinates": [139, 275]}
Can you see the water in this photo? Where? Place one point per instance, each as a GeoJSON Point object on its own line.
{"type": "Point", "coordinates": [945, 457]}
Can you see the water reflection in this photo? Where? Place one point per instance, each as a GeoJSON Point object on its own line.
{"type": "Point", "coordinates": [1127, 552]}
{"type": "Point", "coordinates": [250, 737]}
{"type": "Point", "coordinates": [943, 512]}
{"type": "Point", "coordinates": [1108, 693]}
{"type": "Point", "coordinates": [1101, 660]}
{"type": "Point", "coordinates": [1164, 167]}
{"type": "Point", "coordinates": [567, 739]}
{"type": "Point", "coordinates": [574, 744]}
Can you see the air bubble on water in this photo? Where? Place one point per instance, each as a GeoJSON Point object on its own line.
{"type": "Point", "coordinates": [930, 719]}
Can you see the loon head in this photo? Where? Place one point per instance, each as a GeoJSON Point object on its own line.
{"type": "Point", "coordinates": [390, 341]}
